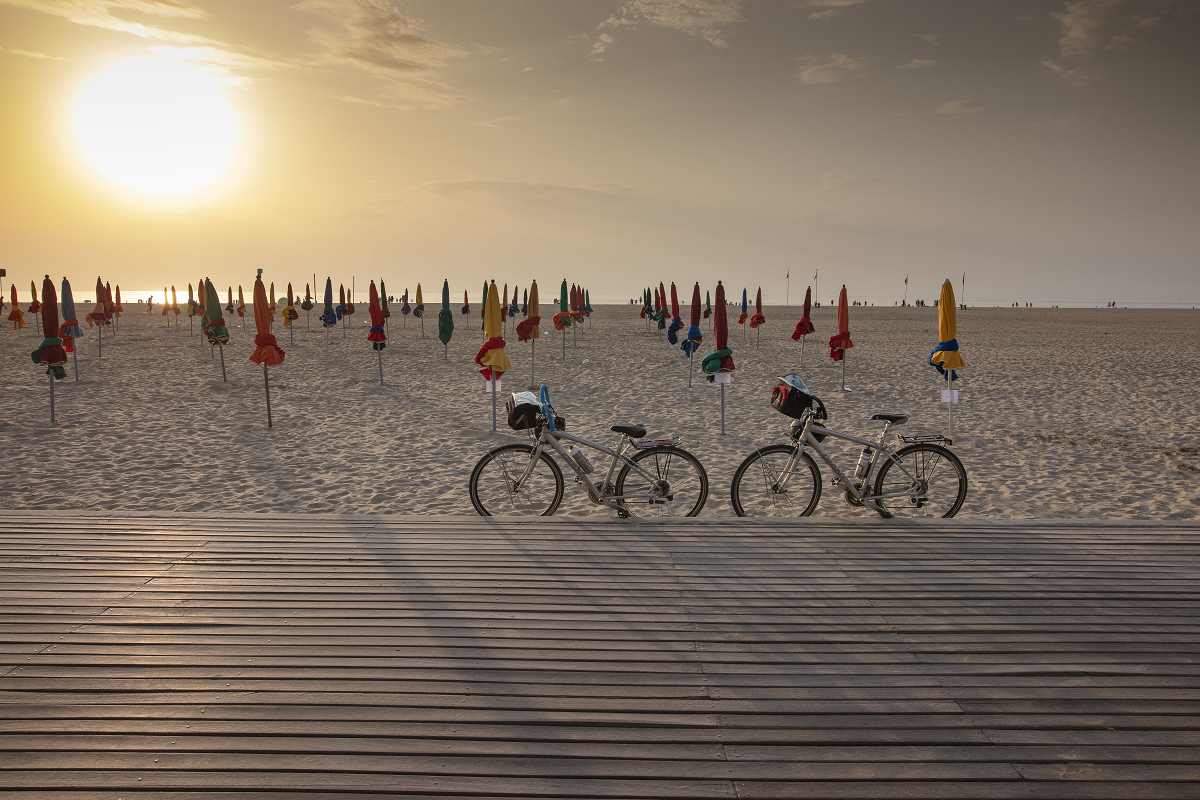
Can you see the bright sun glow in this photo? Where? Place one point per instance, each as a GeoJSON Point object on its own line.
{"type": "Point", "coordinates": [156, 125]}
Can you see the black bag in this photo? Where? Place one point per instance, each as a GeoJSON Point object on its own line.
{"type": "Point", "coordinates": [790, 401]}
{"type": "Point", "coordinates": [523, 409]}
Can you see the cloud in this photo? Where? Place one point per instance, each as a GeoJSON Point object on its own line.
{"type": "Point", "coordinates": [536, 193]}
{"type": "Point", "coordinates": [960, 107]}
{"type": "Point", "coordinates": [934, 39]}
{"type": "Point", "coordinates": [829, 4]}
{"type": "Point", "coordinates": [1088, 25]}
{"type": "Point", "coordinates": [422, 95]}
{"type": "Point", "coordinates": [29, 54]}
{"type": "Point", "coordinates": [219, 57]}
{"type": "Point", "coordinates": [1071, 76]}
{"type": "Point", "coordinates": [375, 37]}
{"type": "Point", "coordinates": [831, 71]}
{"type": "Point", "coordinates": [495, 123]}
{"type": "Point", "coordinates": [917, 63]}
{"type": "Point", "coordinates": [841, 182]}
{"type": "Point", "coordinates": [826, 14]}
{"type": "Point", "coordinates": [527, 69]}
{"type": "Point", "coordinates": [706, 19]}
{"type": "Point", "coordinates": [602, 43]}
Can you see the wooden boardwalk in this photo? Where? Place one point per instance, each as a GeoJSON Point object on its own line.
{"type": "Point", "coordinates": [319, 657]}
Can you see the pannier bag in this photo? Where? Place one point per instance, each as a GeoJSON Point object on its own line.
{"type": "Point", "coordinates": [523, 409]}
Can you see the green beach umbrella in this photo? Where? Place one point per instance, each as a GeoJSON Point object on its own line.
{"type": "Point", "coordinates": [445, 320]}
{"type": "Point", "coordinates": [214, 324]}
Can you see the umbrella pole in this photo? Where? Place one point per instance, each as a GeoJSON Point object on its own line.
{"type": "Point", "coordinates": [343, 327]}
{"type": "Point", "coordinates": [844, 389]}
{"type": "Point", "coordinates": [100, 342]}
{"type": "Point", "coordinates": [422, 327]}
{"type": "Point", "coordinates": [212, 352]}
{"type": "Point", "coordinates": [327, 336]}
{"type": "Point", "coordinates": [574, 341]}
{"type": "Point", "coordinates": [267, 386]}
{"type": "Point", "coordinates": [379, 353]}
{"type": "Point", "coordinates": [52, 420]}
{"type": "Point", "coordinates": [291, 334]}
{"type": "Point", "coordinates": [224, 379]}
{"type": "Point", "coordinates": [803, 339]}
{"type": "Point", "coordinates": [75, 360]}
{"type": "Point", "coordinates": [308, 320]}
{"type": "Point", "coordinates": [758, 337]}
{"type": "Point", "coordinates": [691, 369]}
{"type": "Point", "coordinates": [190, 331]}
{"type": "Point", "coordinates": [38, 319]}
{"type": "Point", "coordinates": [564, 338]}
{"type": "Point", "coordinates": [532, 360]}
{"type": "Point", "coordinates": [722, 409]}
{"type": "Point", "coordinates": [949, 411]}
{"type": "Point", "coordinates": [493, 401]}
{"type": "Point", "coordinates": [445, 352]}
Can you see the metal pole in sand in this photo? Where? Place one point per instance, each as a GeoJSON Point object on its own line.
{"type": "Point", "coordinates": [532, 361]}
{"type": "Point", "coordinates": [564, 338]}
{"type": "Point", "coordinates": [949, 409]}
{"type": "Point", "coordinates": [758, 337]}
{"type": "Point", "coordinates": [379, 353]}
{"type": "Point", "coordinates": [75, 360]}
{"type": "Point", "coordinates": [267, 386]}
{"type": "Point", "coordinates": [574, 341]}
{"type": "Point", "coordinates": [803, 339]}
{"type": "Point", "coordinates": [844, 387]}
{"type": "Point", "coordinates": [291, 333]}
{"type": "Point", "coordinates": [100, 341]}
{"type": "Point", "coordinates": [52, 420]}
{"type": "Point", "coordinates": [722, 409]}
{"type": "Point", "coordinates": [224, 379]}
{"type": "Point", "coordinates": [493, 400]}
{"type": "Point", "coordinates": [691, 369]}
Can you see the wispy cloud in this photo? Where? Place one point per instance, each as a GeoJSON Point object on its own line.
{"type": "Point", "coordinates": [497, 123]}
{"type": "Point", "coordinates": [918, 63]}
{"type": "Point", "coordinates": [220, 57]}
{"type": "Point", "coordinates": [29, 54]}
{"type": "Point", "coordinates": [537, 193]}
{"type": "Point", "coordinates": [709, 20]}
{"type": "Point", "coordinates": [374, 36]}
{"type": "Point", "coordinates": [602, 43]}
{"type": "Point", "coordinates": [1073, 76]}
{"type": "Point", "coordinates": [1089, 25]}
{"type": "Point", "coordinates": [829, 69]}
{"type": "Point", "coordinates": [828, 8]}
{"type": "Point", "coordinates": [959, 107]}
{"type": "Point", "coordinates": [934, 39]}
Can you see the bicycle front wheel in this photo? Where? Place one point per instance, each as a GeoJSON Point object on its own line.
{"type": "Point", "coordinates": [757, 489]}
{"type": "Point", "coordinates": [498, 491]}
{"type": "Point", "coordinates": [926, 480]}
{"type": "Point", "coordinates": [674, 483]}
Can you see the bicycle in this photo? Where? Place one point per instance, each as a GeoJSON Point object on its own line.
{"type": "Point", "coordinates": [922, 478]}
{"type": "Point", "coordinates": [656, 478]}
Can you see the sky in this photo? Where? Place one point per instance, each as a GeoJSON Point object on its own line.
{"type": "Point", "coordinates": [1045, 149]}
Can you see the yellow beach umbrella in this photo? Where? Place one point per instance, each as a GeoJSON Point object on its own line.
{"type": "Point", "coordinates": [946, 356]}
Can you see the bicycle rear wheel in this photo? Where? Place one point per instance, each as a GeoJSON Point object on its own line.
{"type": "Point", "coordinates": [933, 483]}
{"type": "Point", "coordinates": [756, 491]}
{"type": "Point", "coordinates": [494, 489]}
{"type": "Point", "coordinates": [677, 486]}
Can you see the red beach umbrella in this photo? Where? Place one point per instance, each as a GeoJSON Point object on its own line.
{"type": "Point", "coordinates": [377, 336]}
{"type": "Point", "coordinates": [805, 325]}
{"type": "Point", "coordinates": [676, 322]}
{"type": "Point", "coordinates": [117, 307]}
{"type": "Point", "coordinates": [34, 307]}
{"type": "Point", "coordinates": [757, 318]}
{"type": "Point", "coordinates": [50, 353]}
{"type": "Point", "coordinates": [840, 342]}
{"type": "Point", "coordinates": [721, 359]}
{"type": "Point", "coordinates": [266, 349]}
{"type": "Point", "coordinates": [16, 316]}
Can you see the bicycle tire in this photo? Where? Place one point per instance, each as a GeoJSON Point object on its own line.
{"type": "Point", "coordinates": [489, 484]}
{"type": "Point", "coordinates": [927, 463]}
{"type": "Point", "coordinates": [667, 485]}
{"type": "Point", "coordinates": [754, 495]}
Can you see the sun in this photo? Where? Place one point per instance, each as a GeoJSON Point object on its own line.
{"type": "Point", "coordinates": [155, 125]}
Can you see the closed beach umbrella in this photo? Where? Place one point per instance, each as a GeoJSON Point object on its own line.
{"type": "Point", "coordinates": [289, 311]}
{"type": "Point", "coordinates": [50, 352]}
{"type": "Point", "coordinates": [328, 314]}
{"type": "Point", "coordinates": [692, 343]}
{"type": "Point", "coordinates": [200, 299]}
{"type": "Point", "coordinates": [514, 307]}
{"type": "Point", "coordinates": [563, 316]}
{"type": "Point", "coordinates": [721, 359]}
{"type": "Point", "coordinates": [945, 357]}
{"type": "Point", "coordinates": [35, 308]}
{"type": "Point", "coordinates": [70, 325]}
{"type": "Point", "coordinates": [308, 303]}
{"type": "Point", "coordinates": [241, 304]}
{"type": "Point", "coordinates": [166, 304]}
{"type": "Point", "coordinates": [266, 349]}
{"type": "Point", "coordinates": [419, 311]}
{"type": "Point", "coordinates": [16, 316]}
{"type": "Point", "coordinates": [504, 305]}
{"type": "Point", "coordinates": [587, 302]}
{"type": "Point", "coordinates": [230, 307]}
{"type": "Point", "coordinates": [271, 304]}
{"type": "Point", "coordinates": [341, 306]}
{"type": "Point", "coordinates": [117, 307]}
{"type": "Point", "coordinates": [175, 309]}
{"type": "Point", "coordinates": [805, 326]}
{"type": "Point", "coordinates": [405, 308]}
{"type": "Point", "coordinates": [664, 313]}
{"type": "Point", "coordinates": [529, 329]}
{"type": "Point", "coordinates": [377, 335]}
{"type": "Point", "coordinates": [676, 322]}
{"type": "Point", "coordinates": [757, 318]}
{"type": "Point", "coordinates": [214, 324]}
{"type": "Point", "coordinates": [742, 316]}
{"type": "Point", "coordinates": [491, 358]}
{"type": "Point", "coordinates": [445, 320]}
{"type": "Point", "coordinates": [383, 301]}
{"type": "Point", "coordinates": [840, 342]}
{"type": "Point", "coordinates": [466, 306]}
{"type": "Point", "coordinates": [349, 309]}
{"type": "Point", "coordinates": [191, 301]}
{"type": "Point", "coordinates": [110, 307]}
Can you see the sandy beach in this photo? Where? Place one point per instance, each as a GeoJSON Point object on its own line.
{"type": "Point", "coordinates": [1064, 413]}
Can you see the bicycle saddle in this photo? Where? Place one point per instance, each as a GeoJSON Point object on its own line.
{"type": "Point", "coordinates": [895, 419]}
{"type": "Point", "coordinates": [632, 431]}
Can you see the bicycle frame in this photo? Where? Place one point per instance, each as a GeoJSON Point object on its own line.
{"type": "Point", "coordinates": [878, 446]}
{"type": "Point", "coordinates": [553, 440]}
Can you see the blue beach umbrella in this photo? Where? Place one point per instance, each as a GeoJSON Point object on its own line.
{"type": "Point", "coordinates": [70, 329]}
{"type": "Point", "coordinates": [329, 315]}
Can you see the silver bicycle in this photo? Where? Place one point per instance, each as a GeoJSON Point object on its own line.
{"type": "Point", "coordinates": [644, 478]}
{"type": "Point", "coordinates": [919, 477]}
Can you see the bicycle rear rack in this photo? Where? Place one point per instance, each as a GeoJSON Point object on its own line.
{"type": "Point", "coordinates": [935, 438]}
{"type": "Point", "coordinates": [643, 444]}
